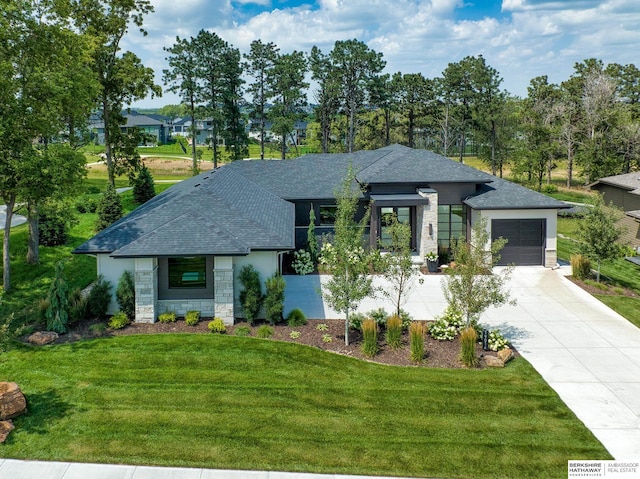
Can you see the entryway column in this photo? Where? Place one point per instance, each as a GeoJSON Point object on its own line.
{"type": "Point", "coordinates": [427, 222]}
{"type": "Point", "coordinates": [146, 287]}
{"type": "Point", "coordinates": [223, 289]}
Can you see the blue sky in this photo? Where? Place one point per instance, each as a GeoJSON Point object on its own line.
{"type": "Point", "coordinates": [521, 39]}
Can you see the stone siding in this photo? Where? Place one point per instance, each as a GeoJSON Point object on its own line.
{"type": "Point", "coordinates": [427, 215]}
{"type": "Point", "coordinates": [181, 306]}
{"type": "Point", "coordinates": [223, 294]}
{"type": "Point", "coordinates": [146, 288]}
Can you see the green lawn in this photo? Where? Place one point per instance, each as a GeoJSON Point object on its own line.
{"type": "Point", "coordinates": [624, 305]}
{"type": "Point", "coordinates": [243, 403]}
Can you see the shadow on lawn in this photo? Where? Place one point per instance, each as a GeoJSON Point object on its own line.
{"type": "Point", "coordinates": [44, 410]}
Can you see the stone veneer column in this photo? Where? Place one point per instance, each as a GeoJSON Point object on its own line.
{"type": "Point", "coordinates": [427, 215]}
{"type": "Point", "coordinates": [146, 287]}
{"type": "Point", "coordinates": [550, 258]}
{"type": "Point", "coordinates": [223, 289]}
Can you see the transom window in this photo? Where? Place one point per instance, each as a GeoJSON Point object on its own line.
{"type": "Point", "coordinates": [189, 272]}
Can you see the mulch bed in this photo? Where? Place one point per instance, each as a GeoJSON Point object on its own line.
{"type": "Point", "coordinates": [604, 288]}
{"type": "Point", "coordinates": [439, 354]}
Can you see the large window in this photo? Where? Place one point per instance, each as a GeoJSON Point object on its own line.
{"type": "Point", "coordinates": [452, 224]}
{"type": "Point", "coordinates": [328, 214]}
{"type": "Point", "coordinates": [187, 272]}
{"type": "Point", "coordinates": [403, 213]}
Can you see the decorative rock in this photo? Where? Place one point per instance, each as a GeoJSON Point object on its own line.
{"type": "Point", "coordinates": [493, 362]}
{"type": "Point", "coordinates": [41, 338]}
{"type": "Point", "coordinates": [506, 355]}
{"type": "Point", "coordinates": [12, 401]}
{"type": "Point", "coordinates": [5, 428]}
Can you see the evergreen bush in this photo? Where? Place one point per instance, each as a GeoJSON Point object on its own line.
{"type": "Point", "coordinates": [274, 298]}
{"type": "Point", "coordinates": [109, 209]}
{"type": "Point", "coordinates": [54, 221]}
{"type": "Point", "coordinates": [58, 311]}
{"type": "Point", "coordinates": [251, 296]}
{"type": "Point", "coordinates": [78, 306]}
{"type": "Point", "coordinates": [143, 186]}
{"type": "Point", "coordinates": [296, 318]}
{"type": "Point", "coordinates": [99, 298]}
{"type": "Point", "coordinates": [126, 294]}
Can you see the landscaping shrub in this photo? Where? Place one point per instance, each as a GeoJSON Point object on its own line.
{"type": "Point", "coordinates": [294, 334]}
{"type": "Point", "coordinates": [58, 311]}
{"type": "Point", "coordinates": [379, 316]}
{"type": "Point", "coordinates": [217, 326]}
{"type": "Point", "coordinates": [78, 306]}
{"type": "Point", "coordinates": [118, 320]}
{"type": "Point", "coordinates": [126, 294]}
{"type": "Point", "coordinates": [192, 318]}
{"type": "Point", "coordinates": [497, 341]}
{"type": "Point", "coordinates": [296, 318]}
{"type": "Point", "coordinates": [417, 331]}
{"type": "Point", "coordinates": [97, 329]}
{"type": "Point", "coordinates": [406, 319]}
{"type": "Point", "coordinates": [393, 334]}
{"type": "Point", "coordinates": [41, 311]}
{"type": "Point", "coordinates": [369, 337]}
{"type": "Point", "coordinates": [468, 339]}
{"type": "Point", "coordinates": [549, 189]}
{"type": "Point", "coordinates": [264, 331]}
{"type": "Point", "coordinates": [274, 298]}
{"type": "Point", "coordinates": [143, 187]}
{"type": "Point", "coordinates": [355, 320]}
{"type": "Point", "coordinates": [55, 219]}
{"type": "Point", "coordinates": [447, 326]}
{"type": "Point", "coordinates": [580, 266]}
{"type": "Point", "coordinates": [99, 298]}
{"type": "Point", "coordinates": [167, 317]}
{"type": "Point", "coordinates": [109, 209]}
{"type": "Point", "coordinates": [251, 296]}
{"type": "Point", "coordinates": [302, 262]}
{"type": "Point", "coordinates": [242, 331]}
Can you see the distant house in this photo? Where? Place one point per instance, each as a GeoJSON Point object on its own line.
{"type": "Point", "coordinates": [187, 245]}
{"type": "Point", "coordinates": [204, 130]}
{"type": "Point", "coordinates": [624, 192]}
{"type": "Point", "coordinates": [156, 127]}
{"type": "Point", "coordinates": [297, 136]}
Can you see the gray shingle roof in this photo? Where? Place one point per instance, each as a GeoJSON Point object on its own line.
{"type": "Point", "coordinates": [215, 213]}
{"type": "Point", "coordinates": [503, 195]}
{"type": "Point", "coordinates": [628, 181]}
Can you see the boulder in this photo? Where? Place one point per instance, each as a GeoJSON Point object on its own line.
{"type": "Point", "coordinates": [506, 355]}
{"type": "Point", "coordinates": [493, 362]}
{"type": "Point", "coordinates": [5, 428]}
{"type": "Point", "coordinates": [40, 338]}
{"type": "Point", "coordinates": [12, 401]}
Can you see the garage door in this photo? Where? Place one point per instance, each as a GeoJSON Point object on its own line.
{"type": "Point", "coordinates": [526, 241]}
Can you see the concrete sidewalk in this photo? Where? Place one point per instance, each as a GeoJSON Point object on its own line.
{"type": "Point", "coordinates": [14, 469]}
{"type": "Point", "coordinates": [588, 354]}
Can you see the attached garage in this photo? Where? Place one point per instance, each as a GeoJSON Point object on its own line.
{"type": "Point", "coordinates": [526, 246]}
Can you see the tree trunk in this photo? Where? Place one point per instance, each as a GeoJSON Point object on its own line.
{"type": "Point", "coordinates": [107, 143]}
{"type": "Point", "coordinates": [569, 166]}
{"type": "Point", "coordinates": [33, 241]}
{"type": "Point", "coordinates": [10, 202]}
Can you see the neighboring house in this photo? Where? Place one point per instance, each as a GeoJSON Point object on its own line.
{"type": "Point", "coordinates": [624, 192]}
{"type": "Point", "coordinates": [297, 137]}
{"type": "Point", "coordinates": [157, 127]}
{"type": "Point", "coordinates": [204, 130]}
{"type": "Point", "coordinates": [187, 245]}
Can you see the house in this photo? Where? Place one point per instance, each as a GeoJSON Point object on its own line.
{"type": "Point", "coordinates": [187, 245]}
{"type": "Point", "coordinates": [156, 127]}
{"type": "Point", "coordinates": [297, 136]}
{"type": "Point", "coordinates": [624, 192]}
{"type": "Point", "coordinates": [204, 130]}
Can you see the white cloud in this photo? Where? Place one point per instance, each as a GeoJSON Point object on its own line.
{"type": "Point", "coordinates": [530, 38]}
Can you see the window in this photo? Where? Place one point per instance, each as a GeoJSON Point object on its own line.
{"type": "Point", "coordinates": [187, 272]}
{"type": "Point", "coordinates": [328, 214]}
{"type": "Point", "coordinates": [403, 213]}
{"type": "Point", "coordinates": [452, 224]}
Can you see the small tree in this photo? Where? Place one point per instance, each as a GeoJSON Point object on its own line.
{"type": "Point", "coordinates": [472, 286]}
{"type": "Point", "coordinates": [143, 186]}
{"type": "Point", "coordinates": [57, 314]}
{"type": "Point", "coordinates": [398, 268]}
{"type": "Point", "coordinates": [312, 241]}
{"type": "Point", "coordinates": [598, 233]}
{"type": "Point", "coordinates": [109, 209]}
{"type": "Point", "coordinates": [251, 296]}
{"type": "Point", "coordinates": [345, 257]}
{"type": "Point", "coordinates": [99, 298]}
{"type": "Point", "coordinates": [126, 294]}
{"type": "Point", "coordinates": [274, 298]}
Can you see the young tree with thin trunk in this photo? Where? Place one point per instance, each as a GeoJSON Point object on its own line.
{"type": "Point", "coordinates": [345, 256]}
{"type": "Point", "coordinates": [473, 285]}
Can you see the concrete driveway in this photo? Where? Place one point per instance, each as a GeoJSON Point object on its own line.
{"type": "Point", "coordinates": [587, 353]}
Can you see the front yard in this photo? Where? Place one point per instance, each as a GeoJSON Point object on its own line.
{"type": "Point", "coordinates": [244, 403]}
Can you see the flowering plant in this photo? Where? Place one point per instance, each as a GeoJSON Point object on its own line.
{"type": "Point", "coordinates": [497, 341]}
{"type": "Point", "coordinates": [431, 256]}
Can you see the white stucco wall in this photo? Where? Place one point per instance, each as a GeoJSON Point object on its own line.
{"type": "Point", "coordinates": [111, 269]}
